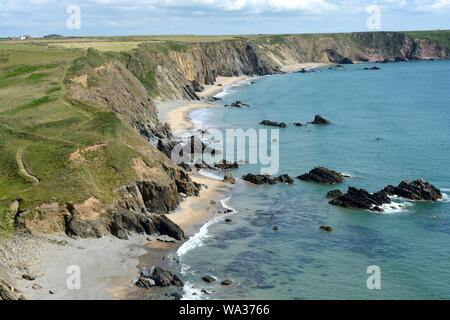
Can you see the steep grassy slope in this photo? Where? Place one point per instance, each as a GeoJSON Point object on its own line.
{"type": "Point", "coordinates": [57, 149]}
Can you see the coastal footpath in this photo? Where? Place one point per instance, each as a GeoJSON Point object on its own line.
{"type": "Point", "coordinates": [83, 146]}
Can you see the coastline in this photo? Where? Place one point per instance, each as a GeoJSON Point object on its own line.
{"type": "Point", "coordinates": [112, 278]}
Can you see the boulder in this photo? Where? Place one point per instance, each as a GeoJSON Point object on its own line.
{"type": "Point", "coordinates": [321, 121]}
{"type": "Point", "coordinates": [323, 175]}
{"type": "Point", "coordinates": [415, 190]}
{"type": "Point", "coordinates": [371, 68]}
{"type": "Point", "coordinates": [299, 124]}
{"type": "Point", "coordinates": [361, 199]}
{"type": "Point", "coordinates": [270, 123]}
{"type": "Point", "coordinates": [208, 279]}
{"type": "Point", "coordinates": [229, 178]}
{"type": "Point", "coordinates": [156, 276]}
{"type": "Point", "coordinates": [227, 282]}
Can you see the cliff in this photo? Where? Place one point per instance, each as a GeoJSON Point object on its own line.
{"type": "Point", "coordinates": [81, 151]}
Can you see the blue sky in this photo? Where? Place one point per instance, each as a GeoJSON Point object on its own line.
{"type": "Point", "coordinates": [141, 17]}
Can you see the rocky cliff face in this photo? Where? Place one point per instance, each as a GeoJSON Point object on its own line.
{"type": "Point", "coordinates": [176, 71]}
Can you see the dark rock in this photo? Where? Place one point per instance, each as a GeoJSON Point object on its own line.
{"type": "Point", "coordinates": [165, 226]}
{"type": "Point", "coordinates": [228, 220]}
{"type": "Point", "coordinates": [28, 277]}
{"type": "Point", "coordinates": [208, 279]}
{"type": "Point", "coordinates": [323, 175]}
{"type": "Point", "coordinates": [276, 228]}
{"type": "Point", "coordinates": [298, 124]}
{"type": "Point", "coordinates": [273, 124]}
{"type": "Point", "coordinates": [229, 178]}
{"type": "Point", "coordinates": [177, 296]}
{"type": "Point", "coordinates": [166, 146]}
{"type": "Point", "coordinates": [319, 120]}
{"type": "Point", "coordinates": [326, 228]}
{"type": "Point", "coordinates": [157, 276]}
{"type": "Point", "coordinates": [285, 179]}
{"type": "Point", "coordinates": [197, 86]}
{"type": "Point", "coordinates": [226, 165]}
{"type": "Point", "coordinates": [361, 199]}
{"type": "Point", "coordinates": [334, 194]}
{"type": "Point", "coordinates": [227, 282]}
{"type": "Point", "coordinates": [415, 190]}
{"type": "Point", "coordinates": [266, 179]}
{"type": "Point", "coordinates": [371, 68]}
{"type": "Point", "coordinates": [239, 104]}
{"type": "Point", "coordinates": [336, 57]}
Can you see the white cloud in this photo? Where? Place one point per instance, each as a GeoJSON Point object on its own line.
{"type": "Point", "coordinates": [434, 5]}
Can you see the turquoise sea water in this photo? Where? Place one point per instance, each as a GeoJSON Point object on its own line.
{"type": "Point", "coordinates": [388, 125]}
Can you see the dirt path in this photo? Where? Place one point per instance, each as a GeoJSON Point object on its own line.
{"type": "Point", "coordinates": [22, 168]}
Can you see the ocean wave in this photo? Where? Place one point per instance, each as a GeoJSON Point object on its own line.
{"type": "Point", "coordinates": [347, 175]}
{"type": "Point", "coordinates": [211, 175]}
{"type": "Point", "coordinates": [445, 196]}
{"type": "Point", "coordinates": [198, 240]}
{"type": "Point", "coordinates": [191, 292]}
{"type": "Point", "coordinates": [397, 207]}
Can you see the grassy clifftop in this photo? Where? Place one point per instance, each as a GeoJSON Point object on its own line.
{"type": "Point", "coordinates": [54, 149]}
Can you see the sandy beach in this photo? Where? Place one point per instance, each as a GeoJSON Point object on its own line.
{"type": "Point", "coordinates": [300, 66]}
{"type": "Point", "coordinates": [176, 113]}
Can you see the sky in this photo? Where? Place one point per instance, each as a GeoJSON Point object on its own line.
{"type": "Point", "coordinates": [208, 17]}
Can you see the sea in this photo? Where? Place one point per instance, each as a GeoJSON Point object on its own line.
{"type": "Point", "coordinates": [387, 125]}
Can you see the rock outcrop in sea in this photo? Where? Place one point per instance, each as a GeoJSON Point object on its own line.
{"type": "Point", "coordinates": [260, 179]}
{"type": "Point", "coordinates": [418, 190]}
{"type": "Point", "coordinates": [270, 123]}
{"type": "Point", "coordinates": [321, 121]}
{"type": "Point", "coordinates": [323, 175]}
{"type": "Point", "coordinates": [415, 190]}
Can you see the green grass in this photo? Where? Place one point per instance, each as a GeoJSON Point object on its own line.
{"type": "Point", "coordinates": [6, 223]}
{"type": "Point", "coordinates": [38, 119]}
{"type": "Point", "coordinates": [441, 37]}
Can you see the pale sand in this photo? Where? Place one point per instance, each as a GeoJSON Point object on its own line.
{"type": "Point", "coordinates": [195, 211]}
{"type": "Point", "coordinates": [176, 114]}
{"type": "Point", "coordinates": [220, 84]}
{"type": "Point", "coordinates": [299, 66]}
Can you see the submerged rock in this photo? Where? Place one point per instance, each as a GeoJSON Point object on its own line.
{"type": "Point", "coordinates": [270, 123]}
{"type": "Point", "coordinates": [371, 68]}
{"type": "Point", "coordinates": [227, 282]}
{"type": "Point", "coordinates": [323, 175]}
{"type": "Point", "coordinates": [326, 228]}
{"type": "Point", "coordinates": [321, 121]}
{"type": "Point", "coordinates": [415, 190]}
{"type": "Point", "coordinates": [209, 279]}
{"type": "Point", "coordinates": [239, 104]}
